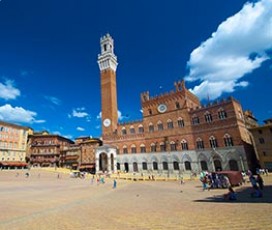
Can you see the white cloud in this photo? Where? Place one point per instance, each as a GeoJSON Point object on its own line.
{"type": "Point", "coordinates": [18, 114]}
{"type": "Point", "coordinates": [53, 100]}
{"type": "Point", "coordinates": [79, 112]}
{"type": "Point", "coordinates": [80, 129]}
{"type": "Point", "coordinates": [8, 91]}
{"type": "Point", "coordinates": [239, 46]}
{"type": "Point", "coordinates": [119, 113]}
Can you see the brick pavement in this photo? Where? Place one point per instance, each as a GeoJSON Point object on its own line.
{"type": "Point", "coordinates": [69, 203]}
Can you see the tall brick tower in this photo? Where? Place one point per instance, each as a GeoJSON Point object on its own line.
{"type": "Point", "coordinates": [107, 64]}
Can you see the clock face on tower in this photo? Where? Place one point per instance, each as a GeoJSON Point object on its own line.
{"type": "Point", "coordinates": [162, 108]}
{"type": "Point", "coordinates": [107, 122]}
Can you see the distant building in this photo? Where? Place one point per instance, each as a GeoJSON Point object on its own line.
{"type": "Point", "coordinates": [45, 149]}
{"type": "Point", "coordinates": [263, 144]}
{"type": "Point", "coordinates": [81, 155]}
{"type": "Point", "coordinates": [176, 134]}
{"type": "Point", "coordinates": [13, 145]}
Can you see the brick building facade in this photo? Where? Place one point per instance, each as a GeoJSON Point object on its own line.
{"type": "Point", "coordinates": [176, 134]}
{"type": "Point", "coordinates": [263, 144]}
{"type": "Point", "coordinates": [45, 149]}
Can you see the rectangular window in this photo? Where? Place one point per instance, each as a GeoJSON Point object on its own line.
{"type": "Point", "coordinates": [200, 145]}
{"type": "Point", "coordinates": [195, 120]}
{"type": "Point", "coordinates": [261, 140]}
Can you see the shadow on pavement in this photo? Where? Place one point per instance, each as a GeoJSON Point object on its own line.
{"type": "Point", "coordinates": [243, 196]}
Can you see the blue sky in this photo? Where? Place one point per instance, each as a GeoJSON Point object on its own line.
{"type": "Point", "coordinates": [50, 80]}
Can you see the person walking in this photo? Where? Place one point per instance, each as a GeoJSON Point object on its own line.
{"type": "Point", "coordinates": [114, 184]}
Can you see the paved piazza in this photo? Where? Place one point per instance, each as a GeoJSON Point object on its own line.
{"type": "Point", "coordinates": [43, 201]}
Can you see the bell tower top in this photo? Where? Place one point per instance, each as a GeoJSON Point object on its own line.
{"type": "Point", "coordinates": [107, 58]}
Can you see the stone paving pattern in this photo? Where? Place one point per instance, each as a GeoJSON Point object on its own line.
{"type": "Point", "coordinates": [49, 203]}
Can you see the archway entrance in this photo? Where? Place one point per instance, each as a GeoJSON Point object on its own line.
{"type": "Point", "coordinates": [103, 162]}
{"type": "Point", "coordinates": [217, 165]}
{"type": "Point", "coordinates": [233, 165]}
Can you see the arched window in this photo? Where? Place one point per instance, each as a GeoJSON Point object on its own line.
{"type": "Point", "coordinates": [170, 124]}
{"type": "Point", "coordinates": [187, 165]}
{"type": "Point", "coordinates": [151, 128]}
{"type": "Point", "coordinates": [199, 143]}
{"type": "Point", "coordinates": [160, 126]}
{"type": "Point", "coordinates": [180, 122]}
{"type": "Point", "coordinates": [184, 145]}
{"type": "Point", "coordinates": [150, 111]}
{"type": "Point", "coordinates": [173, 146]}
{"type": "Point", "coordinates": [124, 131]}
{"type": "Point", "coordinates": [155, 165]}
{"type": "Point", "coordinates": [132, 130]}
{"type": "Point", "coordinates": [162, 147]}
{"type": "Point", "coordinates": [133, 149]}
{"type": "Point", "coordinates": [125, 150]}
{"type": "Point", "coordinates": [176, 165]}
{"type": "Point", "coordinates": [204, 165]}
{"type": "Point", "coordinates": [208, 117]}
{"type": "Point", "coordinates": [233, 165]}
{"type": "Point", "coordinates": [126, 167]}
{"type": "Point", "coordinates": [228, 140]}
{"type": "Point", "coordinates": [213, 142]}
{"type": "Point", "coordinates": [222, 114]}
{"type": "Point", "coordinates": [135, 167]}
{"type": "Point", "coordinates": [142, 148]}
{"type": "Point", "coordinates": [217, 165]}
{"type": "Point", "coordinates": [144, 166]}
{"type": "Point", "coordinates": [177, 105]}
{"type": "Point", "coordinates": [195, 120]}
{"type": "Point", "coordinates": [153, 147]}
{"type": "Point", "coordinates": [165, 165]}
{"type": "Point", "coordinates": [141, 129]}
{"type": "Point", "coordinates": [118, 166]}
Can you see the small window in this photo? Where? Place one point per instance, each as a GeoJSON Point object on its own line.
{"type": "Point", "coordinates": [261, 140]}
{"type": "Point", "coordinates": [173, 146]}
{"type": "Point", "coordinates": [142, 149]}
{"type": "Point", "coordinates": [180, 123]}
{"type": "Point", "coordinates": [222, 114]}
{"type": "Point", "coordinates": [132, 130]}
{"type": "Point", "coordinates": [150, 112]}
{"type": "Point", "coordinates": [162, 147]}
{"type": "Point", "coordinates": [125, 150]}
{"type": "Point", "coordinates": [144, 166]}
{"type": "Point", "coordinates": [160, 126]}
{"type": "Point", "coordinates": [176, 165]}
{"type": "Point", "coordinates": [199, 144]}
{"type": "Point", "coordinates": [208, 117]}
{"type": "Point", "coordinates": [228, 140]}
{"type": "Point", "coordinates": [177, 105]}
{"type": "Point", "coordinates": [165, 165]}
{"type": "Point", "coordinates": [141, 129]}
{"type": "Point", "coordinates": [151, 128]}
{"type": "Point", "coordinates": [155, 165]}
{"type": "Point", "coordinates": [105, 47]}
{"type": "Point", "coordinates": [213, 142]}
{"type": "Point", "coordinates": [133, 149]}
{"type": "Point", "coordinates": [153, 147]}
{"type": "Point", "coordinates": [170, 124]}
{"type": "Point", "coordinates": [187, 166]}
{"type": "Point", "coordinates": [195, 120]}
{"type": "Point", "coordinates": [124, 131]}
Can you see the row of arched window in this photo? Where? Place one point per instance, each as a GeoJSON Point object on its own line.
{"type": "Point", "coordinates": [170, 124]}
{"type": "Point", "coordinates": [175, 146]}
{"type": "Point", "coordinates": [233, 165]}
{"type": "Point", "coordinates": [208, 117]}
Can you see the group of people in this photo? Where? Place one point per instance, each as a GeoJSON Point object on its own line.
{"type": "Point", "coordinates": [213, 180]}
{"type": "Point", "coordinates": [257, 185]}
